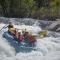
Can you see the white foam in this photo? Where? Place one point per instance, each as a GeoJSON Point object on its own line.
{"type": "Point", "coordinates": [48, 48]}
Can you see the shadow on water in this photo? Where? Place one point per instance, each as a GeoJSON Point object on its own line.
{"type": "Point", "coordinates": [15, 44]}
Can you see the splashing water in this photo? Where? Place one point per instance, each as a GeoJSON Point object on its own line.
{"type": "Point", "coordinates": [44, 50]}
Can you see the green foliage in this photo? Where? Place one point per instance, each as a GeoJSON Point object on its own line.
{"type": "Point", "coordinates": [43, 10]}
{"type": "Point", "coordinates": [30, 8]}
{"type": "Point", "coordinates": [54, 8]}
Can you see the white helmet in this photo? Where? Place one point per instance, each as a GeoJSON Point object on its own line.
{"type": "Point", "coordinates": [19, 31]}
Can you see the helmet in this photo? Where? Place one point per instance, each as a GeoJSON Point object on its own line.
{"type": "Point", "coordinates": [19, 31]}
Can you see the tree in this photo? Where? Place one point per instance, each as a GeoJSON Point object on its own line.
{"type": "Point", "coordinates": [4, 7]}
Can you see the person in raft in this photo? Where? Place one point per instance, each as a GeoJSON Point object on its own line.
{"type": "Point", "coordinates": [11, 29]}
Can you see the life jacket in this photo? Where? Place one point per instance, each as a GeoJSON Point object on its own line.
{"type": "Point", "coordinates": [31, 39]}
{"type": "Point", "coordinates": [20, 38]}
{"type": "Point", "coordinates": [11, 30]}
{"type": "Point", "coordinates": [26, 37]}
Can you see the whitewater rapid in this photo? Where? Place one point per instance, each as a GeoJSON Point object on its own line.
{"type": "Point", "coordinates": [46, 48]}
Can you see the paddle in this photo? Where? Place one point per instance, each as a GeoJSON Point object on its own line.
{"type": "Point", "coordinates": [3, 27]}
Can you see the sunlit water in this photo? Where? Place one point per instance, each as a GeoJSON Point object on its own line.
{"type": "Point", "coordinates": [47, 48]}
